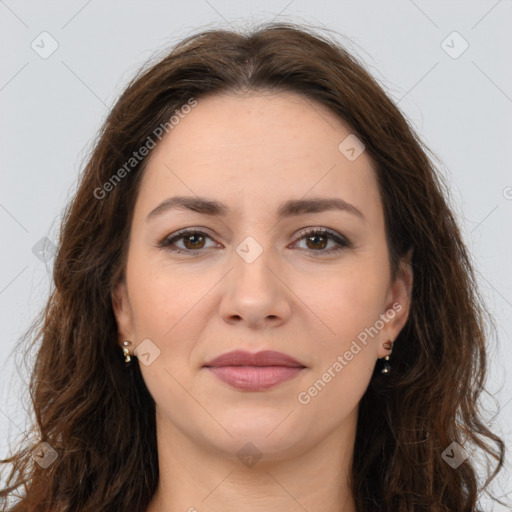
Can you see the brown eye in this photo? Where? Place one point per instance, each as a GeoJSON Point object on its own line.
{"type": "Point", "coordinates": [317, 241]}
{"type": "Point", "coordinates": [193, 241]}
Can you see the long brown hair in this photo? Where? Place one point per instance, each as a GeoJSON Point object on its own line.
{"type": "Point", "coordinates": [99, 417]}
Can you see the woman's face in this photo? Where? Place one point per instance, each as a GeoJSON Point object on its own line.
{"type": "Point", "coordinates": [253, 279]}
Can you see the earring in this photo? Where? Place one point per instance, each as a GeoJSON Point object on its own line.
{"type": "Point", "coordinates": [126, 352]}
{"type": "Point", "coordinates": [387, 367]}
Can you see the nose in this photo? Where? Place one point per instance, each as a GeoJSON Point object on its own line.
{"type": "Point", "coordinates": [254, 291]}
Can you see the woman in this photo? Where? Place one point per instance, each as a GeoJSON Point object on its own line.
{"type": "Point", "coordinates": [257, 230]}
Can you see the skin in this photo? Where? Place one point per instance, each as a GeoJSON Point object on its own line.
{"type": "Point", "coordinates": [253, 151]}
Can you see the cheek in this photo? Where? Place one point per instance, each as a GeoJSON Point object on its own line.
{"type": "Point", "coordinates": [163, 311]}
{"type": "Point", "coordinates": [344, 353]}
{"type": "Point", "coordinates": [163, 301]}
{"type": "Point", "coordinates": [347, 302]}
{"type": "Point", "coordinates": [333, 395]}
{"type": "Point", "coordinates": [154, 305]}
{"type": "Point", "coordinates": [345, 345]}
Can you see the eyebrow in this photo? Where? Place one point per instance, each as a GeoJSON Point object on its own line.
{"type": "Point", "coordinates": [289, 208]}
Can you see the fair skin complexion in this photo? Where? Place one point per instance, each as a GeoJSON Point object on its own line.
{"type": "Point", "coordinates": [253, 152]}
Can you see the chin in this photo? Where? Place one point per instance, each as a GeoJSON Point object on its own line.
{"type": "Point", "coordinates": [267, 435]}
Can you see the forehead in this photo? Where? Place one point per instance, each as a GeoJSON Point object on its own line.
{"type": "Point", "coordinates": [265, 147]}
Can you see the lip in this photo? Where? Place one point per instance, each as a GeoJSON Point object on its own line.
{"type": "Point", "coordinates": [263, 358]}
{"type": "Point", "coordinates": [254, 372]}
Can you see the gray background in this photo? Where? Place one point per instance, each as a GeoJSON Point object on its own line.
{"type": "Point", "coordinates": [51, 108]}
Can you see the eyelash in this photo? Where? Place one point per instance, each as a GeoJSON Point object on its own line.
{"type": "Point", "coordinates": [343, 243]}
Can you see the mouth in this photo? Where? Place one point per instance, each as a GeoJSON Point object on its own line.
{"type": "Point", "coordinates": [254, 372]}
{"type": "Point", "coordinates": [254, 378]}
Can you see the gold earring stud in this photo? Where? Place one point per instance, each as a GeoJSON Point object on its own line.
{"type": "Point", "coordinates": [126, 351]}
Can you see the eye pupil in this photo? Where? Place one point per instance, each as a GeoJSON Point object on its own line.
{"type": "Point", "coordinates": [188, 237]}
{"type": "Point", "coordinates": [312, 237]}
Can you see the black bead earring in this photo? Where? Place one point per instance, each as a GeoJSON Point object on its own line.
{"type": "Point", "coordinates": [387, 367]}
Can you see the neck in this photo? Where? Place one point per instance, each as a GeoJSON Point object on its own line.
{"type": "Point", "coordinates": [196, 478]}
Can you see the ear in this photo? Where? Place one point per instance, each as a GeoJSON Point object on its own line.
{"type": "Point", "coordinates": [123, 312]}
{"type": "Point", "coordinates": [398, 302]}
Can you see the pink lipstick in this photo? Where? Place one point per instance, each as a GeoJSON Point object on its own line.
{"type": "Point", "coordinates": [254, 372]}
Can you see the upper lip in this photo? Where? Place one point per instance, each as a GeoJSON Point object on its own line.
{"type": "Point", "coordinates": [263, 358]}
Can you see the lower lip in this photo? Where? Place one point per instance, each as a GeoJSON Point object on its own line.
{"type": "Point", "coordinates": [254, 378]}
